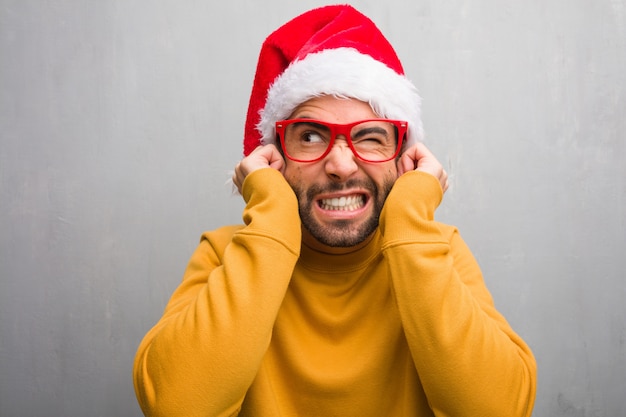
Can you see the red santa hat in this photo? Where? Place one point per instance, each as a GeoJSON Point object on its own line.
{"type": "Point", "coordinates": [332, 50]}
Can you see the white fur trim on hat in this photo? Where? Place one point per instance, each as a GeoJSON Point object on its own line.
{"type": "Point", "coordinates": [342, 72]}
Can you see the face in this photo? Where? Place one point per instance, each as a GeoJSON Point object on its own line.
{"type": "Point", "coordinates": [340, 197]}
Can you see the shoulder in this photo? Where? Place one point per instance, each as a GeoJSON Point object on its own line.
{"type": "Point", "coordinates": [219, 238]}
{"type": "Point", "coordinates": [222, 234]}
{"type": "Point", "coordinates": [447, 230]}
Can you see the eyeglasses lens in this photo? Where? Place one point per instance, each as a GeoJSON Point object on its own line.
{"type": "Point", "coordinates": [373, 141]}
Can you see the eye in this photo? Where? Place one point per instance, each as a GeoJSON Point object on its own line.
{"type": "Point", "coordinates": [311, 136]}
{"type": "Point", "coordinates": [371, 136]}
{"type": "Point", "coordinates": [373, 139]}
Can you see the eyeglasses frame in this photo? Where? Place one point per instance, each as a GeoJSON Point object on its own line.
{"type": "Point", "coordinates": [341, 129]}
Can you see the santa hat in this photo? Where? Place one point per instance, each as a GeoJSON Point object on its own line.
{"type": "Point", "coordinates": [332, 50]}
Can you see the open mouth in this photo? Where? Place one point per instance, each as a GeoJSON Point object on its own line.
{"type": "Point", "coordinates": [343, 203]}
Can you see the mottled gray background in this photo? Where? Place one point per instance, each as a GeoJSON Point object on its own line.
{"type": "Point", "coordinates": [120, 120]}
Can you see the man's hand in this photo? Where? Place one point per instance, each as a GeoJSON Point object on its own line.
{"type": "Point", "coordinates": [419, 158]}
{"type": "Point", "coordinates": [266, 156]}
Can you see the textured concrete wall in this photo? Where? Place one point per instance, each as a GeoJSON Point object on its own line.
{"type": "Point", "coordinates": [119, 122]}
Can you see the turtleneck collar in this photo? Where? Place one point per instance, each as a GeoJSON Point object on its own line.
{"type": "Point", "coordinates": [318, 258]}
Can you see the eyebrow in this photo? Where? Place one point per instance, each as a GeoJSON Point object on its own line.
{"type": "Point", "coordinates": [312, 124]}
{"type": "Point", "coordinates": [367, 130]}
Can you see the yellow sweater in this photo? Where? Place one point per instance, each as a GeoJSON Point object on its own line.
{"type": "Point", "coordinates": [403, 326]}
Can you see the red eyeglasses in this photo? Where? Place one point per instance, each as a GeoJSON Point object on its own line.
{"type": "Point", "coordinates": [371, 140]}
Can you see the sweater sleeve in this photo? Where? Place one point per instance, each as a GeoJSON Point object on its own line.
{"type": "Point", "coordinates": [203, 354]}
{"type": "Point", "coordinates": [470, 361]}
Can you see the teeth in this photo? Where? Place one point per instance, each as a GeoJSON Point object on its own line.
{"type": "Point", "coordinates": [342, 203]}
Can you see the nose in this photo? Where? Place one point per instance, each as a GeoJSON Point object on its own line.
{"type": "Point", "coordinates": [340, 163]}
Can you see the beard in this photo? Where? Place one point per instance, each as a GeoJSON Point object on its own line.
{"type": "Point", "coordinates": [341, 233]}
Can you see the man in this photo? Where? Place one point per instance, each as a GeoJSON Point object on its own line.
{"type": "Point", "coordinates": [340, 296]}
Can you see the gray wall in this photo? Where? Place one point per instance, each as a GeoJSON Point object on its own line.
{"type": "Point", "coordinates": [120, 120]}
